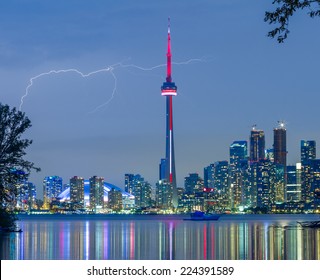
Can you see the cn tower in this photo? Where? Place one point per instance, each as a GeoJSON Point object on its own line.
{"type": "Point", "coordinates": [169, 90]}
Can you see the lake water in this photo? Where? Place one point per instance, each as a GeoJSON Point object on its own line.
{"type": "Point", "coordinates": [161, 237]}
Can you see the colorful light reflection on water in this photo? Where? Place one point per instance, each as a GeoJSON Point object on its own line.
{"type": "Point", "coordinates": [161, 238]}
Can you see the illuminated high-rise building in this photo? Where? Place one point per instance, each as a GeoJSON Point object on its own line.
{"type": "Point", "coordinates": [308, 150]}
{"type": "Point", "coordinates": [77, 191]}
{"type": "Point", "coordinates": [129, 183]}
{"type": "Point", "coordinates": [141, 189]}
{"type": "Point", "coordinates": [221, 188]}
{"type": "Point", "coordinates": [115, 200]}
{"type": "Point", "coordinates": [208, 176]}
{"type": "Point", "coordinates": [257, 144]}
{"type": "Point", "coordinates": [96, 194]}
{"type": "Point", "coordinates": [293, 190]}
{"type": "Point", "coordinates": [238, 157]}
{"type": "Point", "coordinates": [52, 187]}
{"type": "Point", "coordinates": [193, 184]}
{"type": "Point", "coordinates": [280, 145]}
{"type": "Point", "coordinates": [164, 194]}
{"type": "Point", "coordinates": [169, 90]}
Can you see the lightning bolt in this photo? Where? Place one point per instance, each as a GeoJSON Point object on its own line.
{"type": "Point", "coordinates": [31, 81]}
{"type": "Point", "coordinates": [109, 69]}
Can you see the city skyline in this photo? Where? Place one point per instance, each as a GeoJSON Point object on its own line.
{"type": "Point", "coordinates": [238, 77]}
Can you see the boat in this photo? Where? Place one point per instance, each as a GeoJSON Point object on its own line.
{"type": "Point", "coordinates": [202, 216]}
{"type": "Point", "coordinates": [310, 224]}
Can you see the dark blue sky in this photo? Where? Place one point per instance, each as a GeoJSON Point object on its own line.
{"type": "Point", "coordinates": [244, 78]}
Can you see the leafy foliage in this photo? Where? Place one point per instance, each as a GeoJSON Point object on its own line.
{"type": "Point", "coordinates": [7, 220]}
{"type": "Point", "coordinates": [285, 9]}
{"type": "Point", "coordinates": [13, 124]}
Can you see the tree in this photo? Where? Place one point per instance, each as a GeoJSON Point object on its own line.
{"type": "Point", "coordinates": [13, 124]}
{"type": "Point", "coordinates": [284, 11]}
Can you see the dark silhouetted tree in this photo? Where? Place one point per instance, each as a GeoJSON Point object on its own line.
{"type": "Point", "coordinates": [284, 11]}
{"type": "Point", "coordinates": [13, 124]}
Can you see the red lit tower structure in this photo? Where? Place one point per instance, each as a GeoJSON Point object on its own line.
{"type": "Point", "coordinates": [169, 90]}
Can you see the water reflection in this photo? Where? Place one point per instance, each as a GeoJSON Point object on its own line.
{"type": "Point", "coordinates": [160, 240]}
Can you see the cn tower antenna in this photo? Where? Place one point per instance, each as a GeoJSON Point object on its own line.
{"type": "Point", "coordinates": [169, 79]}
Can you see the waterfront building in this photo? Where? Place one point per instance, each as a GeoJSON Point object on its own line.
{"type": "Point", "coordinates": [142, 193]}
{"type": "Point", "coordinates": [164, 193]}
{"type": "Point", "coordinates": [280, 145]}
{"type": "Point", "coordinates": [308, 150]}
{"type": "Point", "coordinates": [77, 192]}
{"type": "Point", "coordinates": [169, 89]}
{"type": "Point", "coordinates": [238, 151]}
{"type": "Point", "coordinates": [193, 197]}
{"type": "Point", "coordinates": [221, 184]}
{"type": "Point", "coordinates": [193, 183]}
{"type": "Point", "coordinates": [115, 200]}
{"type": "Point", "coordinates": [263, 183]}
{"type": "Point", "coordinates": [141, 189]}
{"type": "Point", "coordinates": [96, 195]}
{"type": "Point", "coordinates": [293, 189]}
{"type": "Point", "coordinates": [129, 183]}
{"type": "Point", "coordinates": [21, 190]}
{"type": "Point", "coordinates": [238, 155]}
{"type": "Point", "coordinates": [208, 176]}
{"type": "Point", "coordinates": [27, 196]}
{"type": "Point", "coordinates": [52, 187]}
{"type": "Point", "coordinates": [257, 144]}
{"type": "Point", "coordinates": [250, 185]}
{"type": "Point", "coordinates": [311, 184]}
{"type": "Point", "coordinates": [278, 190]}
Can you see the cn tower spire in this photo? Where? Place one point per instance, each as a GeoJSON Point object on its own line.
{"type": "Point", "coordinates": [169, 79]}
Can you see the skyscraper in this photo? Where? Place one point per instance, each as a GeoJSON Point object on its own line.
{"type": "Point", "coordinates": [238, 152]}
{"type": "Point", "coordinates": [168, 90]}
{"type": "Point", "coordinates": [238, 155]}
{"type": "Point", "coordinates": [293, 190]}
{"type": "Point", "coordinates": [52, 187]}
{"type": "Point", "coordinates": [280, 145]}
{"type": "Point", "coordinates": [308, 150]}
{"type": "Point", "coordinates": [257, 145]}
{"type": "Point", "coordinates": [77, 191]}
{"type": "Point", "coordinates": [115, 200]}
{"type": "Point", "coordinates": [193, 183]}
{"type": "Point", "coordinates": [128, 183]}
{"type": "Point", "coordinates": [96, 194]}
{"type": "Point", "coordinates": [208, 176]}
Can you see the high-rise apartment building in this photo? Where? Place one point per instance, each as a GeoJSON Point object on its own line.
{"type": "Point", "coordinates": [293, 189]}
{"type": "Point", "coordinates": [193, 184]}
{"type": "Point", "coordinates": [77, 191]}
{"type": "Point", "coordinates": [128, 183]}
{"type": "Point", "coordinates": [164, 193]}
{"type": "Point", "coordinates": [308, 150]}
{"type": "Point", "coordinates": [310, 189]}
{"type": "Point", "coordinates": [52, 188]}
{"type": "Point", "coordinates": [238, 155]}
{"type": "Point", "coordinates": [96, 193]}
{"type": "Point", "coordinates": [280, 145]}
{"type": "Point", "coordinates": [238, 152]}
{"type": "Point", "coordinates": [208, 176]}
{"type": "Point", "coordinates": [115, 200]}
{"type": "Point", "coordinates": [257, 145]}
{"type": "Point", "coordinates": [141, 189]}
